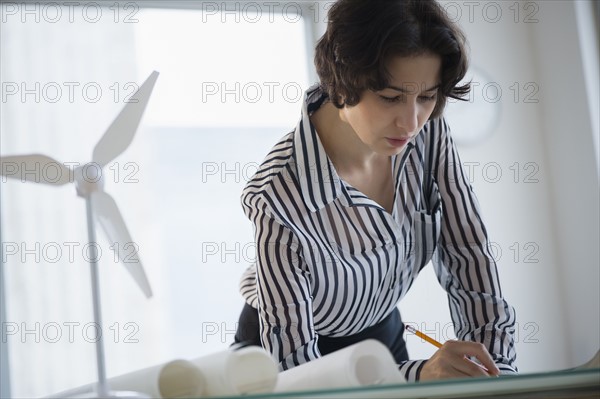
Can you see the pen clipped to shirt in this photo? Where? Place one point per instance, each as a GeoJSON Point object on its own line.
{"type": "Point", "coordinates": [437, 344]}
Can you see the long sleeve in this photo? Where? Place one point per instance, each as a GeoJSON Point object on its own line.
{"type": "Point", "coordinates": [283, 290]}
{"type": "Point", "coordinates": [464, 263]}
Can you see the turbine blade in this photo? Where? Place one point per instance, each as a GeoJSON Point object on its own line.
{"type": "Point", "coordinates": [120, 133]}
{"type": "Point", "coordinates": [35, 168]}
{"type": "Point", "coordinates": [108, 216]}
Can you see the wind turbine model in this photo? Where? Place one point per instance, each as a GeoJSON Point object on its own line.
{"type": "Point", "coordinates": [99, 204]}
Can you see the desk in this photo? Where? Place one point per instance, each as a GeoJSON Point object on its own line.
{"type": "Point", "coordinates": [559, 384]}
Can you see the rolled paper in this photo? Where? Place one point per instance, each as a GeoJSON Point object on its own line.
{"type": "Point", "coordinates": [366, 363]}
{"type": "Point", "coordinates": [230, 372]}
{"type": "Point", "coordinates": [175, 379]}
{"type": "Point", "coordinates": [248, 370]}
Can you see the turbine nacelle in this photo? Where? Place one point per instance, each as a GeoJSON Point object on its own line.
{"type": "Point", "coordinates": [88, 179]}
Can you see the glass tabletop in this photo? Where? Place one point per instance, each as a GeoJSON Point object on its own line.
{"type": "Point", "coordinates": [556, 384]}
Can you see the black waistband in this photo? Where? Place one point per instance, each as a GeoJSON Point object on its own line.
{"type": "Point", "coordinates": [388, 331]}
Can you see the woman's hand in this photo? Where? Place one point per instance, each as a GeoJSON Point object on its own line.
{"type": "Point", "coordinates": [452, 361]}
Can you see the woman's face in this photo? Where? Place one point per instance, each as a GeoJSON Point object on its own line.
{"type": "Point", "coordinates": [386, 120]}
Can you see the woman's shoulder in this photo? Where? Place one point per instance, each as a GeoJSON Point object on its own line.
{"type": "Point", "coordinates": [276, 164]}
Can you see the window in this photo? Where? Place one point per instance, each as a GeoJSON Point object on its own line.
{"type": "Point", "coordinates": [230, 85]}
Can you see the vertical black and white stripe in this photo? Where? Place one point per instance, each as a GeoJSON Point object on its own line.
{"type": "Point", "coordinates": [332, 262]}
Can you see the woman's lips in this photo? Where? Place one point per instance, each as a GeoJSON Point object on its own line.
{"type": "Point", "coordinates": [397, 142]}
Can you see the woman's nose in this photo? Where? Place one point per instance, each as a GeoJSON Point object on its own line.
{"type": "Point", "coordinates": [407, 118]}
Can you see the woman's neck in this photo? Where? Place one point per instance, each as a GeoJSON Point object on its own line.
{"type": "Point", "coordinates": [345, 149]}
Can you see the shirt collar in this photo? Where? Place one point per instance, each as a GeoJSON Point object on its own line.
{"type": "Point", "coordinates": [319, 182]}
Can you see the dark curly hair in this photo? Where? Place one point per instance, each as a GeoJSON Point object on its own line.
{"type": "Point", "coordinates": [363, 35]}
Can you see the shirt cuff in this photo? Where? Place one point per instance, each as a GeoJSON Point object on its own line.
{"type": "Point", "coordinates": [411, 369]}
{"type": "Point", "coordinates": [506, 370]}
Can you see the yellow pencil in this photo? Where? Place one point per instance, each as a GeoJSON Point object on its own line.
{"type": "Point", "coordinates": [419, 334]}
{"type": "Point", "coordinates": [432, 341]}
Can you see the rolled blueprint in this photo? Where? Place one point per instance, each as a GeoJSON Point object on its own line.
{"type": "Point", "coordinates": [366, 363]}
{"type": "Point", "coordinates": [175, 379]}
{"type": "Point", "coordinates": [247, 370]}
{"type": "Point", "coordinates": [229, 372]}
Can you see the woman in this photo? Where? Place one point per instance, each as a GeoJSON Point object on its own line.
{"type": "Point", "coordinates": [349, 206]}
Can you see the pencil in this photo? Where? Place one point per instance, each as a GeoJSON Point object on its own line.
{"type": "Point", "coordinates": [432, 341]}
{"type": "Point", "coordinates": [419, 334]}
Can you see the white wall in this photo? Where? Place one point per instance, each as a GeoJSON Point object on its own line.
{"type": "Point", "coordinates": [557, 298]}
{"type": "Point", "coordinates": [571, 152]}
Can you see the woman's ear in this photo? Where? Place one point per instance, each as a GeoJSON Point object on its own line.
{"type": "Point", "coordinates": [342, 114]}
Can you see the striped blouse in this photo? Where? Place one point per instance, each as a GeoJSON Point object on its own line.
{"type": "Point", "coordinates": [331, 261]}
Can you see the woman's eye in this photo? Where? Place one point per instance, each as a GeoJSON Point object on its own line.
{"type": "Point", "coordinates": [391, 99]}
{"type": "Point", "coordinates": [425, 99]}
{"type": "Point", "coordinates": [422, 99]}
